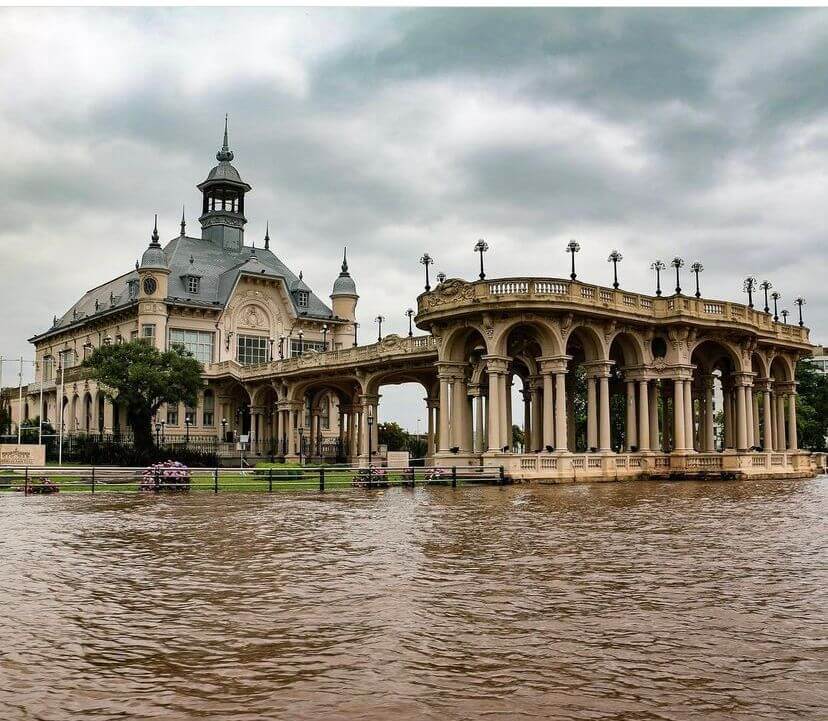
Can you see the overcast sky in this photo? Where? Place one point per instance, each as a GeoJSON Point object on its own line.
{"type": "Point", "coordinates": [698, 133]}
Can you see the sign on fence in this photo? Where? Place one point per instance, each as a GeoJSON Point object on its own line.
{"type": "Point", "coordinates": [398, 459]}
{"type": "Point", "coordinates": [23, 455]}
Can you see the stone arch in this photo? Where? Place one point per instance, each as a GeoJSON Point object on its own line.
{"type": "Point", "coordinates": [544, 333]}
{"type": "Point", "coordinates": [88, 409]}
{"type": "Point", "coordinates": [781, 368]}
{"type": "Point", "coordinates": [588, 339]}
{"type": "Point", "coordinates": [629, 348]}
{"type": "Point", "coordinates": [712, 353]}
{"type": "Point", "coordinates": [460, 341]}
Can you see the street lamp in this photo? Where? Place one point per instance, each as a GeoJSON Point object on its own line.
{"type": "Point", "coordinates": [163, 431]}
{"type": "Point", "coordinates": [766, 285]}
{"type": "Point", "coordinates": [658, 266]}
{"type": "Point", "coordinates": [187, 422]}
{"type": "Point", "coordinates": [379, 319]}
{"type": "Point", "coordinates": [776, 295]}
{"type": "Point", "coordinates": [697, 268]}
{"type": "Point", "coordinates": [223, 430]}
{"type": "Point", "coordinates": [157, 434]}
{"type": "Point", "coordinates": [281, 347]}
{"type": "Point", "coordinates": [441, 277]}
{"type": "Point", "coordinates": [370, 434]}
{"type": "Point", "coordinates": [410, 314]}
{"type": "Point", "coordinates": [301, 342]}
{"type": "Point", "coordinates": [324, 336]}
{"type": "Point", "coordinates": [800, 301]}
{"type": "Point", "coordinates": [785, 313]}
{"type": "Point", "coordinates": [749, 286]}
{"type": "Point", "coordinates": [426, 260]}
{"type": "Point", "coordinates": [615, 258]}
{"type": "Point", "coordinates": [481, 246]}
{"type": "Point", "coordinates": [573, 247]}
{"type": "Point", "coordinates": [677, 263]}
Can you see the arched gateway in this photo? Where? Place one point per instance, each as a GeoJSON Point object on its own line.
{"type": "Point", "coordinates": [615, 384]}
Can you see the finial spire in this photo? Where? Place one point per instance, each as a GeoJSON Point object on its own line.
{"type": "Point", "coordinates": [267, 236]}
{"type": "Point", "coordinates": [183, 223]}
{"type": "Point", "coordinates": [253, 248]}
{"type": "Point", "coordinates": [300, 275]}
{"type": "Point", "coordinates": [345, 260]}
{"type": "Point", "coordinates": [225, 153]}
{"type": "Point", "coordinates": [155, 233]}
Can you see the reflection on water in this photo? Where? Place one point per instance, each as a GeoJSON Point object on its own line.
{"type": "Point", "coordinates": [618, 601]}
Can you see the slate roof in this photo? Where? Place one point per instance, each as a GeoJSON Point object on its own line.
{"type": "Point", "coordinates": [219, 270]}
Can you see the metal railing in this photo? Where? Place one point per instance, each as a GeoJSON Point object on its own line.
{"type": "Point", "coordinates": [156, 479]}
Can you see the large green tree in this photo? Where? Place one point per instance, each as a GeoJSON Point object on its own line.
{"type": "Point", "coordinates": [811, 407]}
{"type": "Point", "coordinates": [142, 378]}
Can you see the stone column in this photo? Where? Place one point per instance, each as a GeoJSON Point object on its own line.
{"type": "Point", "coordinates": [792, 434]}
{"type": "Point", "coordinates": [478, 423]}
{"type": "Point", "coordinates": [643, 415]}
{"type": "Point", "coordinates": [727, 441]}
{"type": "Point", "coordinates": [654, 394]}
{"type": "Point", "coordinates": [561, 436]}
{"type": "Point", "coordinates": [535, 407]}
{"type": "Point", "coordinates": [781, 433]}
{"type": "Point", "coordinates": [108, 421]}
{"type": "Point", "coordinates": [754, 395]}
{"type": "Point", "coordinates": [631, 431]}
{"type": "Point", "coordinates": [431, 409]}
{"type": "Point", "coordinates": [709, 426]}
{"type": "Point", "coordinates": [548, 411]}
{"type": "Point", "coordinates": [527, 420]}
{"type": "Point", "coordinates": [774, 423]}
{"type": "Point", "coordinates": [604, 436]}
{"type": "Point", "coordinates": [445, 390]}
{"type": "Point", "coordinates": [689, 429]}
{"type": "Point", "coordinates": [458, 413]}
{"type": "Point", "coordinates": [749, 416]}
{"type": "Point", "coordinates": [506, 401]}
{"type": "Point", "coordinates": [678, 415]}
{"type": "Point", "coordinates": [741, 418]}
{"type": "Point", "coordinates": [496, 368]}
{"type": "Point", "coordinates": [592, 419]}
{"type": "Point", "coordinates": [767, 420]}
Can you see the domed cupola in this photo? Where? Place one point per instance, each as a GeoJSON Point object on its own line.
{"type": "Point", "coordinates": [344, 285]}
{"type": "Point", "coordinates": [153, 257]}
{"type": "Point", "coordinates": [222, 214]}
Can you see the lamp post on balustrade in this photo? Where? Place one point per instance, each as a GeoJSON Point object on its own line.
{"type": "Point", "coordinates": [766, 285]}
{"type": "Point", "coordinates": [777, 296]}
{"type": "Point", "coordinates": [572, 247]}
{"type": "Point", "coordinates": [749, 286]}
{"type": "Point", "coordinates": [379, 319]}
{"type": "Point", "coordinates": [426, 260]}
{"type": "Point", "coordinates": [697, 268]}
{"type": "Point", "coordinates": [800, 301]}
{"type": "Point", "coordinates": [324, 337]}
{"type": "Point", "coordinates": [785, 313]}
{"type": "Point", "coordinates": [677, 263]}
{"type": "Point", "coordinates": [615, 258]}
{"type": "Point", "coordinates": [410, 314]}
{"type": "Point", "coordinates": [658, 266]}
{"type": "Point", "coordinates": [441, 278]}
{"type": "Point", "coordinates": [481, 246]}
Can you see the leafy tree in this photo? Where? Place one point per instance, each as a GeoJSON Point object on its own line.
{"type": "Point", "coordinates": [518, 437]}
{"type": "Point", "coordinates": [5, 419]}
{"type": "Point", "coordinates": [812, 407]}
{"type": "Point", "coordinates": [143, 378]}
{"type": "Point", "coordinates": [393, 435]}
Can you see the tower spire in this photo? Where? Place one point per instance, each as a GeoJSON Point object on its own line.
{"type": "Point", "coordinates": [154, 242]}
{"type": "Point", "coordinates": [225, 153]}
{"type": "Point", "coordinates": [345, 259]}
{"type": "Point", "coordinates": [183, 223]}
{"type": "Point", "coordinates": [267, 236]}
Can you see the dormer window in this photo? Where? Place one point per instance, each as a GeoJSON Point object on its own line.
{"type": "Point", "coordinates": [193, 284]}
{"type": "Point", "coordinates": [302, 298]}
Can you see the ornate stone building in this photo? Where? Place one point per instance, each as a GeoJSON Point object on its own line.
{"type": "Point", "coordinates": [614, 384]}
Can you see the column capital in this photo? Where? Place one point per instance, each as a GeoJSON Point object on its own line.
{"type": "Point", "coordinates": [290, 405]}
{"type": "Point", "coordinates": [497, 364]}
{"type": "Point", "coordinates": [788, 387]}
{"type": "Point", "coordinates": [678, 373]}
{"type": "Point", "coordinates": [742, 379]}
{"type": "Point", "coordinates": [367, 400]}
{"type": "Point", "coordinates": [598, 369]}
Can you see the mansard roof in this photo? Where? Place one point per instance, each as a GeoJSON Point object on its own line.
{"type": "Point", "coordinates": [219, 271]}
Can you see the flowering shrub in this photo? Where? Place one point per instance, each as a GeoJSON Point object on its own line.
{"type": "Point", "coordinates": [435, 474]}
{"type": "Point", "coordinates": [166, 476]}
{"type": "Point", "coordinates": [370, 476]}
{"type": "Point", "coordinates": [43, 485]}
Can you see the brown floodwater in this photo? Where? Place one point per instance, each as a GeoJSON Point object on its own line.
{"type": "Point", "coordinates": [607, 601]}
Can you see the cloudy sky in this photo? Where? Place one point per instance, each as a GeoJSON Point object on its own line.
{"type": "Point", "coordinates": [699, 133]}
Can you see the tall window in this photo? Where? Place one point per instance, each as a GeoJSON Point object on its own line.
{"type": "Point", "coordinates": [48, 368]}
{"type": "Point", "coordinates": [252, 349]}
{"type": "Point", "coordinates": [193, 284]}
{"type": "Point", "coordinates": [197, 342]}
{"type": "Point", "coordinates": [209, 409]}
{"type": "Point", "coordinates": [191, 414]}
{"type": "Point", "coordinates": [172, 415]}
{"type": "Point", "coordinates": [148, 331]}
{"type": "Point", "coordinates": [302, 298]}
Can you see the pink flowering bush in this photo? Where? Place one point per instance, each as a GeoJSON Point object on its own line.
{"type": "Point", "coordinates": [370, 476]}
{"type": "Point", "coordinates": [435, 474]}
{"type": "Point", "coordinates": [166, 476]}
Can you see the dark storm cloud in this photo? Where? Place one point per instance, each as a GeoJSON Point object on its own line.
{"type": "Point", "coordinates": [661, 132]}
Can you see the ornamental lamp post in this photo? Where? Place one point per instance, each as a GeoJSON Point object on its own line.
{"type": "Point", "coordinates": [573, 247]}
{"type": "Point", "coordinates": [410, 314]}
{"type": "Point", "coordinates": [223, 430]}
{"type": "Point", "coordinates": [271, 341]}
{"type": "Point", "coordinates": [677, 263]}
{"type": "Point", "coordinates": [324, 336]}
{"type": "Point", "coordinates": [785, 313]}
{"type": "Point", "coordinates": [441, 277]}
{"type": "Point", "coordinates": [481, 246]}
{"type": "Point", "coordinates": [187, 422]}
{"type": "Point", "coordinates": [658, 266]}
{"type": "Point", "coordinates": [697, 268]}
{"type": "Point", "coordinates": [157, 434]}
{"type": "Point", "coordinates": [800, 301]}
{"type": "Point", "coordinates": [749, 286]}
{"type": "Point", "coordinates": [301, 342]}
{"type": "Point", "coordinates": [766, 285]}
{"type": "Point", "coordinates": [378, 320]}
{"type": "Point", "coordinates": [426, 260]}
{"type": "Point", "coordinates": [777, 296]}
{"type": "Point", "coordinates": [615, 258]}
